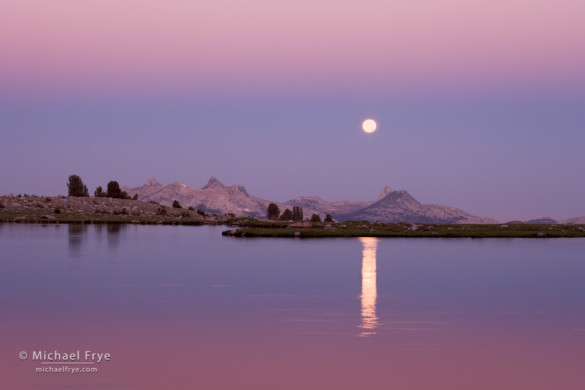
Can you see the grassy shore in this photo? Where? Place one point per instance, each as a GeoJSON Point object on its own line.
{"type": "Point", "coordinates": [365, 229]}
{"type": "Point", "coordinates": [63, 217]}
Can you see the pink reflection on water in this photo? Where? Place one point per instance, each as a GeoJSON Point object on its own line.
{"type": "Point", "coordinates": [369, 289]}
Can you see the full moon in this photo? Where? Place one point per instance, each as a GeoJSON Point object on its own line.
{"type": "Point", "coordinates": [369, 125]}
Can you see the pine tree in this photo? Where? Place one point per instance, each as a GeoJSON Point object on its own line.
{"type": "Point", "coordinates": [76, 187]}
{"type": "Point", "coordinates": [287, 215]}
{"type": "Point", "coordinates": [297, 213]}
{"type": "Point", "coordinates": [114, 190]}
{"type": "Point", "coordinates": [273, 211]}
{"type": "Point", "coordinates": [315, 218]}
{"type": "Point", "coordinates": [99, 193]}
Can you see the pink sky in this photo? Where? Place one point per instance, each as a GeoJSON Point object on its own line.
{"type": "Point", "coordinates": [369, 43]}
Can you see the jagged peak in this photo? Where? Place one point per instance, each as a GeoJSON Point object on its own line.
{"type": "Point", "coordinates": [397, 195]}
{"type": "Point", "coordinates": [385, 191]}
{"type": "Point", "coordinates": [213, 183]}
{"type": "Point", "coordinates": [152, 182]}
{"type": "Point", "coordinates": [239, 188]}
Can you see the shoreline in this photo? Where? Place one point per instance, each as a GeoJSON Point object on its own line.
{"type": "Point", "coordinates": [407, 230]}
{"type": "Point", "coordinates": [71, 210]}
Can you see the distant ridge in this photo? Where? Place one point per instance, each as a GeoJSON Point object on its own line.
{"type": "Point", "coordinates": [576, 220]}
{"type": "Point", "coordinates": [390, 206]}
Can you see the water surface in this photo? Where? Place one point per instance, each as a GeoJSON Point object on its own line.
{"type": "Point", "coordinates": [185, 308]}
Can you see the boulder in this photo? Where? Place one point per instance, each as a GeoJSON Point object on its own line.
{"type": "Point", "coordinates": [300, 225]}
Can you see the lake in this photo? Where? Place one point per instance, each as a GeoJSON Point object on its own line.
{"type": "Point", "coordinates": [186, 308]}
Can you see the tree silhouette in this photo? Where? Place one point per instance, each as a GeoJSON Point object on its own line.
{"type": "Point", "coordinates": [99, 193]}
{"type": "Point", "coordinates": [114, 190]}
{"type": "Point", "coordinates": [315, 218]}
{"type": "Point", "coordinates": [76, 187]}
{"type": "Point", "coordinates": [297, 213]}
{"type": "Point", "coordinates": [287, 215]}
{"type": "Point", "coordinates": [273, 211]}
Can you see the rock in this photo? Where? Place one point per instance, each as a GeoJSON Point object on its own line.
{"type": "Point", "coordinates": [135, 222]}
{"type": "Point", "coordinates": [49, 217]}
{"type": "Point", "coordinates": [300, 225]}
{"type": "Point", "coordinates": [18, 219]}
{"type": "Point", "coordinates": [297, 234]}
{"type": "Point", "coordinates": [540, 234]}
{"type": "Point", "coordinates": [504, 226]}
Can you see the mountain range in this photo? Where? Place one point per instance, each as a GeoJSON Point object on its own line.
{"type": "Point", "coordinates": [390, 206]}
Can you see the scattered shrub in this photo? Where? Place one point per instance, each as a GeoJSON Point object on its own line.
{"type": "Point", "coordinates": [57, 211]}
{"type": "Point", "coordinates": [177, 205]}
{"type": "Point", "coordinates": [2, 205]}
{"type": "Point", "coordinates": [186, 214]}
{"type": "Point", "coordinates": [201, 212]}
{"type": "Point", "coordinates": [135, 197]}
{"type": "Point", "coordinates": [121, 212]}
{"type": "Point", "coordinates": [328, 218]}
{"type": "Point", "coordinates": [161, 211]}
{"type": "Point", "coordinates": [191, 208]}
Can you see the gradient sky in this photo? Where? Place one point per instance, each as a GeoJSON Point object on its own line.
{"type": "Point", "coordinates": [480, 104]}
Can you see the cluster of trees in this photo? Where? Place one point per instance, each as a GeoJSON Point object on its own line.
{"type": "Point", "coordinates": [273, 213]}
{"type": "Point", "coordinates": [76, 187]}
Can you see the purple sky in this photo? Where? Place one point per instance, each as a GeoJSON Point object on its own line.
{"type": "Point", "coordinates": [478, 106]}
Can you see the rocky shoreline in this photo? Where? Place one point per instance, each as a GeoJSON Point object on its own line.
{"type": "Point", "coordinates": [92, 210]}
{"type": "Point", "coordinates": [61, 209]}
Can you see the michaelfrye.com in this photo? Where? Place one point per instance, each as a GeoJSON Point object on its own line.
{"type": "Point", "coordinates": [70, 362]}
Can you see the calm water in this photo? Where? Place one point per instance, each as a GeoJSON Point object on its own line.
{"type": "Point", "coordinates": [185, 308]}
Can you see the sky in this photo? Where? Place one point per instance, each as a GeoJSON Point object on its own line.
{"type": "Point", "coordinates": [480, 104]}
